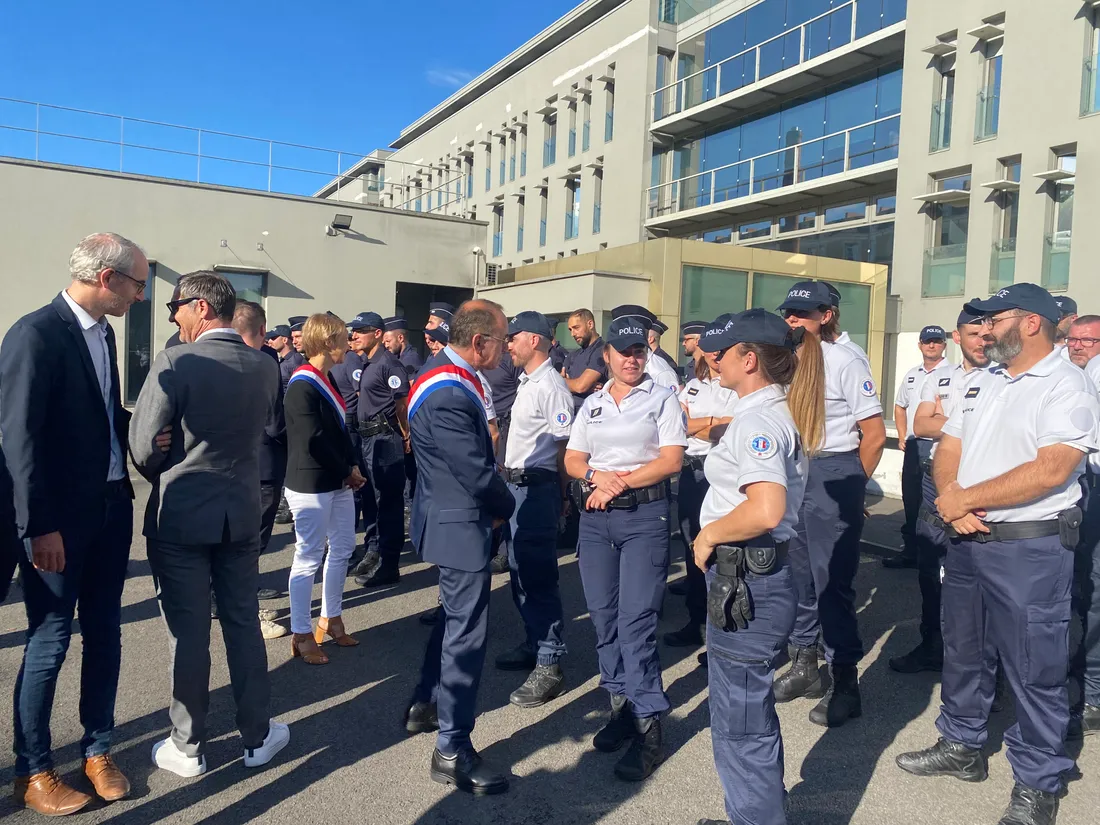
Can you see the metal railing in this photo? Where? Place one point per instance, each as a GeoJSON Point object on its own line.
{"type": "Point", "coordinates": [944, 271]}
{"type": "Point", "coordinates": [811, 39]}
{"type": "Point", "coordinates": [854, 148]}
{"type": "Point", "coordinates": [1056, 249]}
{"type": "Point", "coordinates": [97, 140]}
{"type": "Point", "coordinates": [1002, 265]}
{"type": "Point", "coordinates": [988, 114]}
{"type": "Point", "coordinates": [940, 137]}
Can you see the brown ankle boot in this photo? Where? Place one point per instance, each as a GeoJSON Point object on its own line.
{"type": "Point", "coordinates": [46, 793]}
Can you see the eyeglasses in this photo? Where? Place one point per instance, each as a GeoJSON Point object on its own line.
{"type": "Point", "coordinates": [173, 307]}
{"type": "Point", "coordinates": [1083, 342]}
{"type": "Point", "coordinates": [991, 322]}
{"type": "Point", "coordinates": [718, 355]}
{"type": "Point", "coordinates": [140, 284]}
{"type": "Point", "coordinates": [501, 341]}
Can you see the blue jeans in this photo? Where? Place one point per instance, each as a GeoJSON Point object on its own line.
{"type": "Point", "coordinates": [95, 572]}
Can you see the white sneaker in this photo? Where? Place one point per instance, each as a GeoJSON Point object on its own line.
{"type": "Point", "coordinates": [278, 737]}
{"type": "Point", "coordinates": [271, 630]}
{"type": "Point", "coordinates": [268, 615]}
{"type": "Point", "coordinates": [170, 758]}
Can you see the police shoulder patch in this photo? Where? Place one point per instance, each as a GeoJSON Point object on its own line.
{"type": "Point", "coordinates": [394, 382]}
{"type": "Point", "coordinates": [762, 445]}
{"type": "Point", "coordinates": [563, 418]}
{"type": "Point", "coordinates": [356, 375]}
{"type": "Point", "coordinates": [868, 388]}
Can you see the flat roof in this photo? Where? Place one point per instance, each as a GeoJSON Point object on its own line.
{"type": "Point", "coordinates": [549, 38]}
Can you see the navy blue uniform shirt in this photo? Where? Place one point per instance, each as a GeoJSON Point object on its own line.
{"type": "Point", "coordinates": [586, 358]}
{"type": "Point", "coordinates": [288, 365]}
{"type": "Point", "coordinates": [412, 361]}
{"type": "Point", "coordinates": [504, 381]}
{"type": "Point", "coordinates": [381, 383]}
{"type": "Point", "coordinates": [557, 357]}
{"type": "Point", "coordinates": [345, 377]}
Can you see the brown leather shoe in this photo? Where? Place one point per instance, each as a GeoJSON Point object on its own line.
{"type": "Point", "coordinates": [110, 783]}
{"type": "Point", "coordinates": [46, 793]}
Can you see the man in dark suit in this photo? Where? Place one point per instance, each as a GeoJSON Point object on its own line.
{"type": "Point", "coordinates": [74, 510]}
{"type": "Point", "coordinates": [203, 517]}
{"type": "Point", "coordinates": [10, 545]}
{"type": "Point", "coordinates": [460, 498]}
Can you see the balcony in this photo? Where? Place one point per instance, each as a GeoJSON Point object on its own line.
{"type": "Point", "coordinates": [988, 115]}
{"type": "Point", "coordinates": [944, 271]}
{"type": "Point", "coordinates": [596, 219]}
{"type": "Point", "coordinates": [542, 232]}
{"type": "Point", "coordinates": [1090, 87]}
{"type": "Point", "coordinates": [1002, 265]}
{"type": "Point", "coordinates": [941, 126]}
{"type": "Point", "coordinates": [827, 46]}
{"type": "Point", "coordinates": [852, 159]}
{"type": "Point", "coordinates": [1056, 260]}
{"type": "Point", "coordinates": [498, 244]}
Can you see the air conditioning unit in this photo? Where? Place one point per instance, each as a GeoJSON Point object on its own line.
{"type": "Point", "coordinates": [491, 274]}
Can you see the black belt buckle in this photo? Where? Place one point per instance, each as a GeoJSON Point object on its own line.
{"type": "Point", "coordinates": [631, 501]}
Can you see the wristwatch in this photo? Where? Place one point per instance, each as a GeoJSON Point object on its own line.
{"type": "Point", "coordinates": [589, 475]}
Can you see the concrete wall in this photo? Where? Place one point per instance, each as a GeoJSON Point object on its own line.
{"type": "Point", "coordinates": [45, 211]}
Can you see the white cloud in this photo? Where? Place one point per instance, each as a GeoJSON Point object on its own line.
{"type": "Point", "coordinates": [448, 78]}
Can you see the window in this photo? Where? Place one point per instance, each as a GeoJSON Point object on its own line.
{"type": "Point", "coordinates": [988, 114]}
{"type": "Point", "coordinates": [523, 148]}
{"type": "Point", "coordinates": [572, 110]}
{"type": "Point", "coordinates": [543, 206]}
{"type": "Point", "coordinates": [1002, 269]}
{"type": "Point", "coordinates": [945, 257]}
{"type": "Point", "coordinates": [756, 229]}
{"type": "Point", "coordinates": [724, 235]}
{"type": "Point", "coordinates": [488, 165]}
{"type": "Point", "coordinates": [469, 163]}
{"type": "Point", "coordinates": [1056, 244]}
{"type": "Point", "coordinates": [869, 243]}
{"type": "Point", "coordinates": [705, 288]}
{"type": "Point", "coordinates": [550, 140]}
{"type": "Point", "coordinates": [572, 208]}
{"type": "Point", "coordinates": [848, 212]}
{"type": "Point", "coordinates": [139, 339]}
{"type": "Point", "coordinates": [609, 117]}
{"type": "Point", "coordinates": [512, 158]}
{"type": "Point", "coordinates": [503, 141]}
{"type": "Point", "coordinates": [796, 223]}
{"type": "Point", "coordinates": [943, 101]}
{"type": "Point", "coordinates": [597, 199]}
{"type": "Point", "coordinates": [586, 115]}
{"type": "Point", "coordinates": [498, 230]}
{"type": "Point", "coordinates": [1090, 75]}
{"type": "Point", "coordinates": [521, 211]}
{"type": "Point", "coordinates": [886, 205]}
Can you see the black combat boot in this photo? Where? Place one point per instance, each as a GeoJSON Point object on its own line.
{"type": "Point", "coordinates": [546, 682]}
{"type": "Point", "coordinates": [841, 701]}
{"type": "Point", "coordinates": [1030, 807]}
{"type": "Point", "coordinates": [803, 679]}
{"type": "Point", "coordinates": [928, 655]}
{"type": "Point", "coordinates": [945, 759]}
{"type": "Point", "coordinates": [646, 751]}
{"type": "Point", "coordinates": [619, 728]}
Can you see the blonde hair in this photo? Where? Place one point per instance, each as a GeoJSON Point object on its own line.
{"type": "Point", "coordinates": [804, 377]}
{"type": "Point", "coordinates": [323, 333]}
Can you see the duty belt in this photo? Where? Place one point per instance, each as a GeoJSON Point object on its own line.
{"type": "Point", "coordinates": [626, 501]}
{"type": "Point", "coordinates": [528, 478]}
{"type": "Point", "coordinates": [756, 558]}
{"type": "Point", "coordinates": [928, 517]}
{"type": "Point", "coordinates": [1010, 531]}
{"type": "Point", "coordinates": [695, 462]}
{"type": "Point", "coordinates": [835, 453]}
{"type": "Point", "coordinates": [375, 426]}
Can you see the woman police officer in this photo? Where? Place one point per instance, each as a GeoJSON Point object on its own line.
{"type": "Point", "coordinates": [627, 441]}
{"type": "Point", "coordinates": [757, 474]}
{"type": "Point", "coordinates": [825, 553]}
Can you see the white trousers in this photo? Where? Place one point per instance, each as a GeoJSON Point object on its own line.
{"type": "Point", "coordinates": [319, 517]}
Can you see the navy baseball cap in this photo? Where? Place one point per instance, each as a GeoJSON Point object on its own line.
{"type": "Point", "coordinates": [635, 311]}
{"type": "Point", "coordinates": [967, 316]}
{"type": "Point", "coordinates": [281, 331]}
{"type": "Point", "coordinates": [1028, 297]}
{"type": "Point", "coordinates": [440, 334]}
{"type": "Point", "coordinates": [709, 336]}
{"type": "Point", "coordinates": [627, 331]}
{"type": "Point", "coordinates": [833, 292]}
{"type": "Point", "coordinates": [753, 326]}
{"type": "Point", "coordinates": [534, 322]}
{"type": "Point", "coordinates": [806, 295]}
{"type": "Point", "coordinates": [441, 309]}
{"type": "Point", "coordinates": [365, 320]}
{"type": "Point", "coordinates": [693, 327]}
{"type": "Point", "coordinates": [1066, 304]}
{"type": "Point", "coordinates": [932, 333]}
{"type": "Point", "coordinates": [297, 322]}
{"type": "Point", "coordinates": [395, 323]}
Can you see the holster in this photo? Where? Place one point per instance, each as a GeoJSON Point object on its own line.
{"type": "Point", "coordinates": [1069, 527]}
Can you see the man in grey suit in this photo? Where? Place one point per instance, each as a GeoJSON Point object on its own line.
{"type": "Point", "coordinates": [203, 518]}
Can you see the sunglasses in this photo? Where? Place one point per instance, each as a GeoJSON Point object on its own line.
{"type": "Point", "coordinates": [173, 307]}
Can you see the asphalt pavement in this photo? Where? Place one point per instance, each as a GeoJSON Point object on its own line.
{"type": "Point", "coordinates": [350, 761]}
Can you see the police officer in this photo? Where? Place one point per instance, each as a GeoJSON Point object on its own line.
{"type": "Point", "coordinates": [585, 369]}
{"type": "Point", "coordinates": [825, 553]}
{"type": "Point", "coordinates": [932, 343]}
{"type": "Point", "coordinates": [1067, 310]}
{"type": "Point", "coordinates": [557, 355]}
{"type": "Point", "coordinates": [534, 469]}
{"type": "Point", "coordinates": [440, 314]}
{"type": "Point", "coordinates": [708, 407]}
{"type": "Point", "coordinates": [501, 382]}
{"type": "Point", "coordinates": [436, 338]}
{"type": "Point", "coordinates": [396, 340]}
{"type": "Point", "coordinates": [656, 368]}
{"type": "Point", "coordinates": [627, 441]}
{"type": "Point", "coordinates": [289, 358]}
{"type": "Point", "coordinates": [383, 426]}
{"type": "Point", "coordinates": [345, 377]}
{"type": "Point", "coordinates": [296, 325]}
{"type": "Point", "coordinates": [757, 474]}
{"type": "Point", "coordinates": [1008, 475]}
{"type": "Point", "coordinates": [658, 329]}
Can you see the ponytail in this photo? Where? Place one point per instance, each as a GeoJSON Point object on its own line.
{"type": "Point", "coordinates": [806, 395]}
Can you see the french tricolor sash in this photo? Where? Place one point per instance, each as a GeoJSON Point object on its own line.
{"type": "Point", "coordinates": [448, 375]}
{"type": "Point", "coordinates": [311, 375]}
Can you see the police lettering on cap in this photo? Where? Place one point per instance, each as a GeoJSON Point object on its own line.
{"type": "Point", "coordinates": [932, 333]}
{"type": "Point", "coordinates": [534, 322]}
{"type": "Point", "coordinates": [693, 327]}
{"type": "Point", "coordinates": [441, 309]}
{"type": "Point", "coordinates": [440, 334]}
{"type": "Point", "coordinates": [753, 326]}
{"type": "Point", "coordinates": [807, 295]}
{"type": "Point", "coordinates": [1028, 297]}
{"type": "Point", "coordinates": [296, 323]}
{"type": "Point", "coordinates": [626, 332]}
{"type": "Point", "coordinates": [395, 324]}
{"type": "Point", "coordinates": [366, 320]}
{"type": "Point", "coordinates": [634, 311]}
{"type": "Point", "coordinates": [1066, 304]}
{"type": "Point", "coordinates": [967, 316]}
{"type": "Point", "coordinates": [834, 293]}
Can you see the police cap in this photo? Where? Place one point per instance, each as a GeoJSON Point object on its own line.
{"type": "Point", "coordinates": [968, 316]}
{"type": "Point", "coordinates": [660, 326]}
{"type": "Point", "coordinates": [534, 322]}
{"type": "Point", "coordinates": [807, 295]}
{"type": "Point", "coordinates": [440, 334]}
{"type": "Point", "coordinates": [441, 309]}
{"type": "Point", "coordinates": [296, 322]}
{"type": "Point", "coordinates": [365, 320]}
{"type": "Point", "coordinates": [932, 333]}
{"type": "Point", "coordinates": [1028, 297]}
{"type": "Point", "coordinates": [281, 331]}
{"type": "Point", "coordinates": [634, 311]}
{"type": "Point", "coordinates": [753, 326]}
{"type": "Point", "coordinates": [395, 324]}
{"type": "Point", "coordinates": [1066, 304]}
{"type": "Point", "coordinates": [834, 293]}
{"type": "Point", "coordinates": [692, 327]}
{"type": "Point", "coordinates": [627, 331]}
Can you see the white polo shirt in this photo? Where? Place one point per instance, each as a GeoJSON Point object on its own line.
{"type": "Point", "coordinates": [845, 340]}
{"type": "Point", "coordinates": [909, 390]}
{"type": "Point", "coordinates": [662, 374]}
{"type": "Point", "coordinates": [850, 397]}
{"type": "Point", "coordinates": [487, 392]}
{"type": "Point", "coordinates": [949, 383]}
{"type": "Point", "coordinates": [623, 437]}
{"type": "Point", "coordinates": [704, 399]}
{"type": "Point", "coordinates": [1052, 403]}
{"type": "Point", "coordinates": [762, 444]}
{"type": "Point", "coordinates": [541, 417]}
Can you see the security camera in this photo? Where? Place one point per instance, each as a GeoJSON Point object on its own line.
{"type": "Point", "coordinates": [332, 233]}
{"type": "Point", "coordinates": [476, 250]}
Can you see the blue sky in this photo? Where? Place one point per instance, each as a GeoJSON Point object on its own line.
{"type": "Point", "coordinates": [345, 76]}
